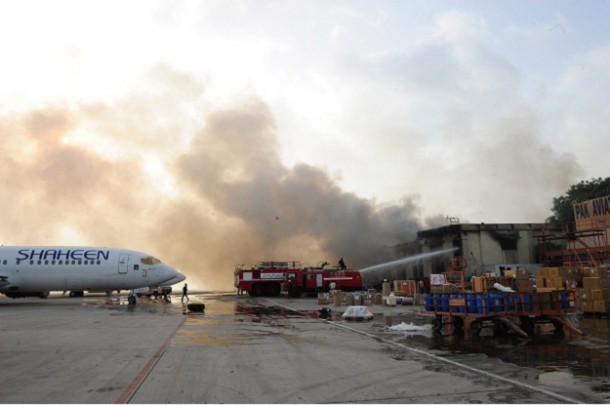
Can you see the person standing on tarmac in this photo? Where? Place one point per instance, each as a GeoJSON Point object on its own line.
{"type": "Point", "coordinates": [185, 293]}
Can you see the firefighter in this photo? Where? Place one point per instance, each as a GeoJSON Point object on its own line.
{"type": "Point", "coordinates": [131, 301]}
{"type": "Point", "coordinates": [342, 264]}
{"type": "Point", "coordinates": [185, 293]}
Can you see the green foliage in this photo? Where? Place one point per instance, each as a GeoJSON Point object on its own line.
{"type": "Point", "coordinates": [583, 191]}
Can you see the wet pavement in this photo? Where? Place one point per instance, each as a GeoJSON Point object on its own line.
{"type": "Point", "coordinates": [582, 363]}
{"type": "Point", "coordinates": [262, 350]}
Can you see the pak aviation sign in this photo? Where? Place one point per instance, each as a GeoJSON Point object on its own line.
{"type": "Point", "coordinates": [592, 214]}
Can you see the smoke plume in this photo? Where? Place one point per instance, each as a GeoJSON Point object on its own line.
{"type": "Point", "coordinates": [262, 210]}
{"type": "Point", "coordinates": [107, 175]}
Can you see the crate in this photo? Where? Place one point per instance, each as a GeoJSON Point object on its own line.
{"type": "Point", "coordinates": [405, 288]}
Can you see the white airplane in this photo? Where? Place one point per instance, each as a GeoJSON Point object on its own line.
{"type": "Point", "coordinates": [34, 271]}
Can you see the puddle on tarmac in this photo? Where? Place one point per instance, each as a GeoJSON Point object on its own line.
{"type": "Point", "coordinates": [582, 360]}
{"type": "Point", "coordinates": [200, 319]}
{"type": "Point", "coordinates": [582, 355]}
{"type": "Point", "coordinates": [259, 323]}
{"type": "Point", "coordinates": [258, 310]}
{"type": "Point", "coordinates": [198, 338]}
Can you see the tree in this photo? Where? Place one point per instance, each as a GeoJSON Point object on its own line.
{"type": "Point", "coordinates": [583, 191]}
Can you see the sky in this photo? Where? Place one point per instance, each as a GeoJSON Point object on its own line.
{"type": "Point", "coordinates": [216, 133]}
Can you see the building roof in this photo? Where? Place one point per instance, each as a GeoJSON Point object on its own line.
{"type": "Point", "coordinates": [455, 228]}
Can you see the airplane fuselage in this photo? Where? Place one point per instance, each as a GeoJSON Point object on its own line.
{"type": "Point", "coordinates": [32, 269]}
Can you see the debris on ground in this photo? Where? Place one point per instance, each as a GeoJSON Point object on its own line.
{"type": "Point", "coordinates": [357, 313]}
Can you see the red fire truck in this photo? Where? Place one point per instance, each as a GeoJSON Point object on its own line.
{"type": "Point", "coordinates": [273, 278]}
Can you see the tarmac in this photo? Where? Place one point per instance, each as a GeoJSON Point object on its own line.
{"type": "Point", "coordinates": [240, 350]}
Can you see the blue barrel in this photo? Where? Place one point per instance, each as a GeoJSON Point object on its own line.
{"type": "Point", "coordinates": [463, 309]}
{"type": "Point", "coordinates": [471, 303]}
{"type": "Point", "coordinates": [436, 302]}
{"type": "Point", "coordinates": [527, 302]}
{"type": "Point", "coordinates": [517, 302]}
{"type": "Point", "coordinates": [483, 303]}
{"type": "Point", "coordinates": [428, 302]}
{"type": "Point", "coordinates": [565, 300]}
{"type": "Point", "coordinates": [444, 302]}
{"type": "Point", "coordinates": [509, 301]}
{"type": "Point", "coordinates": [501, 302]}
{"type": "Point", "coordinates": [452, 297]}
{"type": "Point", "coordinates": [491, 301]}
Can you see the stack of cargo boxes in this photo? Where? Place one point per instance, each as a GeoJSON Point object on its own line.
{"type": "Point", "coordinates": [595, 291]}
{"type": "Point", "coordinates": [516, 279]}
{"type": "Point", "coordinates": [405, 288]}
{"type": "Point", "coordinates": [596, 287]}
{"type": "Point", "coordinates": [408, 290]}
{"type": "Point", "coordinates": [554, 278]}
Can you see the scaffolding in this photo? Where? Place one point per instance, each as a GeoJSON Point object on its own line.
{"type": "Point", "coordinates": [574, 249]}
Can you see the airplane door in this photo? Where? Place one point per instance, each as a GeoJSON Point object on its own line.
{"type": "Point", "coordinates": [123, 263]}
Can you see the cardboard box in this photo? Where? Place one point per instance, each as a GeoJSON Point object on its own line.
{"type": "Point", "coordinates": [600, 307]}
{"type": "Point", "coordinates": [523, 274]}
{"type": "Point", "coordinates": [437, 279]}
{"type": "Point", "coordinates": [478, 284]}
{"type": "Point", "coordinates": [591, 283]}
{"type": "Point", "coordinates": [554, 272]}
{"type": "Point", "coordinates": [555, 282]}
{"type": "Point", "coordinates": [505, 281]}
{"type": "Point", "coordinates": [488, 283]}
{"type": "Point", "coordinates": [404, 288]}
{"type": "Point", "coordinates": [588, 306]}
{"type": "Point", "coordinates": [442, 289]}
{"type": "Point", "coordinates": [600, 295]}
{"type": "Point", "coordinates": [524, 286]}
{"type": "Point", "coordinates": [510, 273]}
{"type": "Point", "coordinates": [593, 272]}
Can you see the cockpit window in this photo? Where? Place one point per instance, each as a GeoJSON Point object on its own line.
{"type": "Point", "coordinates": [149, 260]}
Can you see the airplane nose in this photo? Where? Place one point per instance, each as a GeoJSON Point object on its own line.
{"type": "Point", "coordinates": [173, 276]}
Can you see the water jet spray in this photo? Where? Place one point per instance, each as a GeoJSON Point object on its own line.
{"type": "Point", "coordinates": [409, 259]}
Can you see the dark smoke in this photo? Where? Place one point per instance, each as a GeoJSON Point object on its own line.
{"type": "Point", "coordinates": [276, 212]}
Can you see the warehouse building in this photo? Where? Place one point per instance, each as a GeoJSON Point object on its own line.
{"type": "Point", "coordinates": [481, 248]}
{"type": "Point", "coordinates": [485, 247]}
